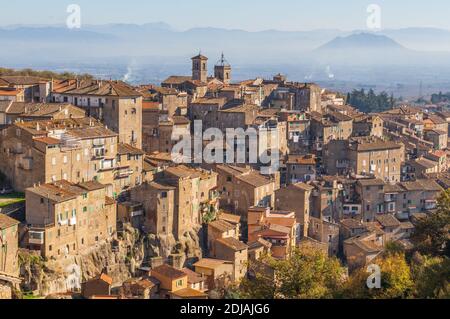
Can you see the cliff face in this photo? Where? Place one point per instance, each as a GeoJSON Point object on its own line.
{"type": "Point", "coordinates": [5, 291]}
{"type": "Point", "coordinates": [119, 258]}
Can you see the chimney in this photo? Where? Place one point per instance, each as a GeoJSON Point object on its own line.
{"type": "Point", "coordinates": [177, 260]}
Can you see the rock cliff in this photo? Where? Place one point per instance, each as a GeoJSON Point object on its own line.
{"type": "Point", "coordinates": [119, 258]}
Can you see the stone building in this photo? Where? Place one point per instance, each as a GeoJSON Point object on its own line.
{"type": "Point", "coordinates": [297, 96]}
{"type": "Point", "coordinates": [64, 218]}
{"type": "Point", "coordinates": [8, 94]}
{"type": "Point", "coordinates": [77, 150]}
{"type": "Point", "coordinates": [200, 68]}
{"type": "Point", "coordinates": [128, 172]}
{"type": "Point", "coordinates": [231, 249]}
{"type": "Point", "coordinates": [9, 245]}
{"type": "Point", "coordinates": [115, 103]}
{"type": "Point", "coordinates": [300, 168]}
{"type": "Point", "coordinates": [360, 250]}
{"type": "Point", "coordinates": [365, 156]}
{"type": "Point", "coordinates": [174, 203]}
{"type": "Point", "coordinates": [165, 133]}
{"type": "Point", "coordinates": [220, 229]}
{"type": "Point", "coordinates": [296, 198]}
{"type": "Point", "coordinates": [222, 70]}
{"type": "Point", "coordinates": [326, 199]}
{"type": "Point", "coordinates": [158, 202]}
{"type": "Point", "coordinates": [367, 125]}
{"type": "Point", "coordinates": [325, 232]}
{"type": "Point", "coordinates": [371, 193]}
{"type": "Point", "coordinates": [280, 228]}
{"type": "Point", "coordinates": [241, 188]}
{"type": "Point", "coordinates": [298, 131]}
{"type": "Point", "coordinates": [328, 127]}
{"type": "Point", "coordinates": [11, 112]}
{"type": "Point", "coordinates": [35, 89]}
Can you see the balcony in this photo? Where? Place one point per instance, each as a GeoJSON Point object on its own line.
{"type": "Point", "coordinates": [63, 222]}
{"type": "Point", "coordinates": [342, 164]}
{"type": "Point", "coordinates": [391, 208]}
{"type": "Point", "coordinates": [389, 198]}
{"type": "Point", "coordinates": [107, 165]}
{"type": "Point", "coordinates": [430, 204]}
{"type": "Point", "coordinates": [123, 173]}
{"type": "Point", "coordinates": [26, 163]}
{"type": "Point", "coordinates": [36, 237]}
{"type": "Point", "coordinates": [72, 221]}
{"type": "Point", "coordinates": [351, 209]}
{"type": "Point", "coordinates": [137, 213]}
{"type": "Point", "coordinates": [98, 143]}
{"type": "Point", "coordinates": [98, 153]}
{"type": "Point", "coordinates": [402, 215]}
{"type": "Point", "coordinates": [16, 150]}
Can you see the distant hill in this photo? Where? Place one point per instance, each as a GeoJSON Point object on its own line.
{"type": "Point", "coordinates": [362, 41]}
{"type": "Point", "coordinates": [365, 49]}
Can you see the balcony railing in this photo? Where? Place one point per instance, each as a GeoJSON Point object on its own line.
{"type": "Point", "coordinates": [137, 213]}
{"type": "Point", "coordinates": [63, 222]}
{"type": "Point", "coordinates": [72, 221]}
{"type": "Point", "coordinates": [430, 204]}
{"type": "Point", "coordinates": [98, 153]}
{"type": "Point", "coordinates": [124, 174]}
{"type": "Point", "coordinates": [389, 197]}
{"type": "Point", "coordinates": [98, 143]}
{"type": "Point", "coordinates": [36, 237]}
{"type": "Point", "coordinates": [16, 150]}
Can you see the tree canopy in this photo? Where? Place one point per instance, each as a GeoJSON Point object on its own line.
{"type": "Point", "coordinates": [44, 74]}
{"type": "Point", "coordinates": [306, 274]}
{"type": "Point", "coordinates": [370, 102]}
{"type": "Point", "coordinates": [431, 235]}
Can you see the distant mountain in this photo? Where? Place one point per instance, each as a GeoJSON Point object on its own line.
{"type": "Point", "coordinates": [153, 51]}
{"type": "Point", "coordinates": [422, 39]}
{"type": "Point", "coordinates": [365, 49]}
{"type": "Point", "coordinates": [52, 34]}
{"type": "Point", "coordinates": [362, 41]}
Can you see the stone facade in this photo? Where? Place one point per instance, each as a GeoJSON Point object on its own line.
{"type": "Point", "coordinates": [65, 219]}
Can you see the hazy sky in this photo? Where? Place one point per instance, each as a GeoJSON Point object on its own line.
{"type": "Point", "coordinates": [239, 14]}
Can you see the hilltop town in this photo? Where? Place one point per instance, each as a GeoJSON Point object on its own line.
{"type": "Point", "coordinates": [95, 205]}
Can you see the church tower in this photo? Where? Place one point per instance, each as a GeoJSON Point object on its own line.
{"type": "Point", "coordinates": [200, 68]}
{"type": "Point", "coordinates": [222, 70]}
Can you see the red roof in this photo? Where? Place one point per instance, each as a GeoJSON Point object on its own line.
{"type": "Point", "coordinates": [48, 140]}
{"type": "Point", "coordinates": [106, 278]}
{"type": "Point", "coordinates": [150, 105]}
{"type": "Point", "coordinates": [9, 92]}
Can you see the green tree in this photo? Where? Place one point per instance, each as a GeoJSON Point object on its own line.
{"type": "Point", "coordinates": [431, 276]}
{"type": "Point", "coordinates": [431, 234]}
{"type": "Point", "coordinates": [396, 280]}
{"type": "Point", "coordinates": [306, 274]}
{"type": "Point", "coordinates": [370, 101]}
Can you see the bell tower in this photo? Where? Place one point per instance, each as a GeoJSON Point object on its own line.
{"type": "Point", "coordinates": [222, 70]}
{"type": "Point", "coordinates": [200, 68]}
